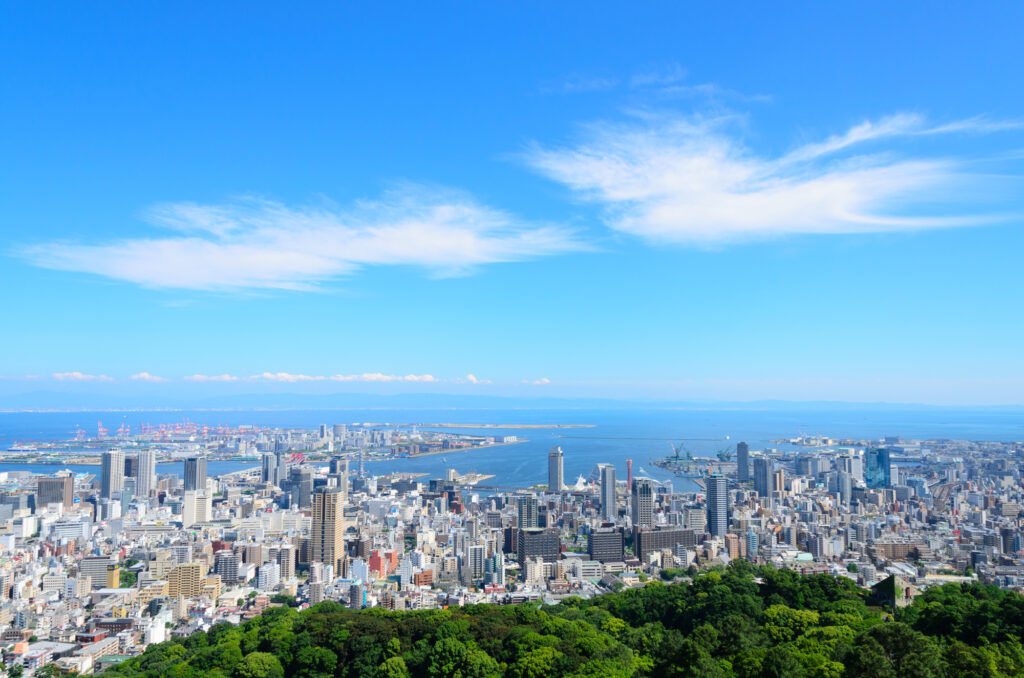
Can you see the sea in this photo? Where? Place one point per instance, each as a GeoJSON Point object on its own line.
{"type": "Point", "coordinates": [612, 436]}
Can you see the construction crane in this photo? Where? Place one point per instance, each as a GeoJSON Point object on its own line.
{"type": "Point", "coordinates": [100, 431]}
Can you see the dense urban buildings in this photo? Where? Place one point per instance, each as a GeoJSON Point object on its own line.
{"type": "Point", "coordinates": [169, 549]}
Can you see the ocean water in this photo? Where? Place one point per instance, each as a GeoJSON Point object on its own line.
{"type": "Point", "coordinates": [616, 435]}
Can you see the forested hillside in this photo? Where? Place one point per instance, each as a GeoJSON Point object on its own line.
{"type": "Point", "coordinates": [739, 621]}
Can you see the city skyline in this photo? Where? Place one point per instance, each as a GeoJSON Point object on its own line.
{"type": "Point", "coordinates": [492, 202]}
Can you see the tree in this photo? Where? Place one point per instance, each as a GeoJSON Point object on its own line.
{"type": "Point", "coordinates": [259, 665]}
{"type": "Point", "coordinates": [393, 667]}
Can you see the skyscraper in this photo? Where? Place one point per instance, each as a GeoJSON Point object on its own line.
{"type": "Point", "coordinates": [529, 513]}
{"type": "Point", "coordinates": [145, 477]}
{"type": "Point", "coordinates": [301, 484]}
{"type": "Point", "coordinates": [718, 505]}
{"type": "Point", "coordinates": [642, 502]}
{"type": "Point", "coordinates": [764, 476]}
{"type": "Point", "coordinates": [742, 462]}
{"type": "Point", "coordinates": [327, 544]}
{"type": "Point", "coordinates": [878, 471]}
{"type": "Point", "coordinates": [111, 473]}
{"type": "Point", "coordinates": [195, 473]}
{"type": "Point", "coordinates": [556, 470]}
{"type": "Point", "coordinates": [608, 507]}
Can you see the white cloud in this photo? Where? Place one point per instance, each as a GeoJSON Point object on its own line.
{"type": "Point", "coordinates": [693, 180]}
{"type": "Point", "coordinates": [78, 376]}
{"type": "Point", "coordinates": [260, 244]}
{"type": "Point", "coordinates": [377, 376]}
{"type": "Point", "coordinates": [285, 377]}
{"type": "Point", "coordinates": [146, 376]}
{"type": "Point", "coordinates": [472, 379]}
{"type": "Point", "coordinates": [542, 380]}
{"type": "Point", "coordinates": [211, 377]}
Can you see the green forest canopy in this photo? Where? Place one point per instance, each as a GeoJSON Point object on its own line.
{"type": "Point", "coordinates": [742, 620]}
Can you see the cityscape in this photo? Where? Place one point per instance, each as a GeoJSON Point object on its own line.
{"type": "Point", "coordinates": [97, 567]}
{"type": "Point", "coordinates": [511, 340]}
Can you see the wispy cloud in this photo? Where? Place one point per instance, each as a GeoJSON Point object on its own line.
{"type": "Point", "coordinates": [377, 376]}
{"type": "Point", "coordinates": [693, 180]}
{"type": "Point", "coordinates": [146, 376]}
{"type": "Point", "coordinates": [211, 377]}
{"type": "Point", "coordinates": [260, 244]}
{"type": "Point", "coordinates": [286, 377]}
{"type": "Point", "coordinates": [473, 379]}
{"type": "Point", "coordinates": [79, 376]}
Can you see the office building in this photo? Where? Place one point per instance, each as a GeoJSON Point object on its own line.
{"type": "Point", "coordinates": [718, 505]}
{"type": "Point", "coordinates": [742, 462]}
{"type": "Point", "coordinates": [646, 542]}
{"type": "Point", "coordinates": [195, 474]}
{"type": "Point", "coordinates": [327, 543]}
{"type": "Point", "coordinates": [300, 480]}
{"type": "Point", "coordinates": [764, 476]}
{"type": "Point", "coordinates": [537, 543]}
{"type": "Point", "coordinates": [556, 470]}
{"type": "Point", "coordinates": [145, 475]}
{"type": "Point", "coordinates": [878, 469]}
{"type": "Point", "coordinates": [605, 546]}
{"type": "Point", "coordinates": [111, 473]}
{"type": "Point", "coordinates": [609, 509]}
{"type": "Point", "coordinates": [59, 490]}
{"type": "Point", "coordinates": [642, 502]}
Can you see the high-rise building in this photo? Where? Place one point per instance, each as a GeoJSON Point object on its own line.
{"type": "Point", "coordinates": [609, 509]}
{"type": "Point", "coordinates": [186, 581]}
{"type": "Point", "coordinates": [718, 505]}
{"type": "Point", "coordinates": [605, 546]}
{"type": "Point", "coordinates": [195, 474]}
{"type": "Point", "coordinates": [642, 502]}
{"type": "Point", "coordinates": [111, 473]}
{"type": "Point", "coordinates": [536, 543]}
{"type": "Point", "coordinates": [286, 559]}
{"type": "Point", "coordinates": [268, 468]}
{"type": "Point", "coordinates": [556, 470]}
{"type": "Point", "coordinates": [327, 543]}
{"type": "Point", "coordinates": [145, 476]}
{"type": "Point", "coordinates": [226, 565]}
{"type": "Point", "coordinates": [742, 462]}
{"type": "Point", "coordinates": [301, 483]}
{"type": "Point", "coordinates": [878, 469]}
{"type": "Point", "coordinates": [131, 466]}
{"type": "Point", "coordinates": [59, 490]}
{"type": "Point", "coordinates": [529, 512]}
{"type": "Point", "coordinates": [845, 486]}
{"type": "Point", "coordinates": [764, 476]}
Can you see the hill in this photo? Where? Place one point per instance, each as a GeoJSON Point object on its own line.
{"type": "Point", "coordinates": [742, 621]}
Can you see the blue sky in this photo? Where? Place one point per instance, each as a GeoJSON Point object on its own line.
{"type": "Point", "coordinates": [670, 201]}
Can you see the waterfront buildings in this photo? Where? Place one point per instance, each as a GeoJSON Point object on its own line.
{"type": "Point", "coordinates": [195, 474]}
{"type": "Point", "coordinates": [718, 505]}
{"type": "Point", "coordinates": [111, 473]}
{"type": "Point", "coordinates": [556, 470]}
{"type": "Point", "coordinates": [609, 507]}
{"type": "Point", "coordinates": [742, 462]}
